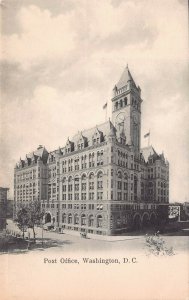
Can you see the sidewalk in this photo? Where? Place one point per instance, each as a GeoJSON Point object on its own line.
{"type": "Point", "coordinates": [102, 237]}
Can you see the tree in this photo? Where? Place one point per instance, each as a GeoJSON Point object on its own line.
{"type": "Point", "coordinates": [35, 215]}
{"type": "Point", "coordinates": [22, 220]}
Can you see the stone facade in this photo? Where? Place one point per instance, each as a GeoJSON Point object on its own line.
{"type": "Point", "coordinates": [101, 181]}
{"type": "Point", "coordinates": [31, 178]}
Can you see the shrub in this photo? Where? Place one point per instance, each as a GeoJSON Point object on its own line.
{"type": "Point", "coordinates": [156, 246]}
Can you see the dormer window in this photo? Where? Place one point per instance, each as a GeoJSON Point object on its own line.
{"type": "Point", "coordinates": [97, 137]}
{"type": "Point", "coordinates": [82, 142]}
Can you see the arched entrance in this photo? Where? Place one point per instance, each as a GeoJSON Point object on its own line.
{"type": "Point", "coordinates": [47, 218]}
{"type": "Point", "coordinates": [137, 222]}
{"type": "Point", "coordinates": [145, 220]}
{"type": "Point", "coordinates": [153, 219]}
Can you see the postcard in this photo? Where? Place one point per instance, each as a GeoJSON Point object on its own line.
{"type": "Point", "coordinates": [94, 194]}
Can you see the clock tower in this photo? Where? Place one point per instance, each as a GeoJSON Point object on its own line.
{"type": "Point", "coordinates": [126, 109]}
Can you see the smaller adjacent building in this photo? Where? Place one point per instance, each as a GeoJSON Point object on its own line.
{"type": "Point", "coordinates": [10, 204]}
{"type": "Point", "coordinates": [179, 211]}
{"type": "Point", "coordinates": [3, 207]}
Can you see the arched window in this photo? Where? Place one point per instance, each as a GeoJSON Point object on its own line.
{"type": "Point", "coordinates": [63, 218]}
{"type": "Point", "coordinates": [64, 179]}
{"type": "Point", "coordinates": [83, 219]}
{"type": "Point", "coordinates": [91, 221]}
{"type": "Point", "coordinates": [70, 219]}
{"type": "Point", "coordinates": [84, 177]}
{"type": "Point", "coordinates": [91, 176]}
{"type": "Point", "coordinates": [76, 219]}
{"type": "Point", "coordinates": [119, 175]}
{"type": "Point", "coordinates": [99, 221]}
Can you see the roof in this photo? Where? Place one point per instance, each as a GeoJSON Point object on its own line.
{"type": "Point", "coordinates": [147, 152]}
{"type": "Point", "coordinates": [4, 188]}
{"type": "Point", "coordinates": [125, 77]}
{"type": "Point", "coordinates": [105, 128]}
{"type": "Point", "coordinates": [39, 153]}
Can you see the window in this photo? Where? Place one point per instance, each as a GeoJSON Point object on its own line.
{"type": "Point", "coordinates": [69, 219]}
{"type": "Point", "coordinates": [99, 221]}
{"type": "Point", "coordinates": [64, 218]}
{"type": "Point", "coordinates": [91, 186]}
{"type": "Point", "coordinates": [119, 185]}
{"type": "Point", "coordinates": [99, 195]}
{"type": "Point", "coordinates": [91, 160]}
{"type": "Point", "coordinates": [83, 196]}
{"type": "Point", "coordinates": [91, 196]}
{"type": "Point", "coordinates": [83, 220]}
{"type": "Point", "coordinates": [91, 206]}
{"type": "Point", "coordinates": [76, 180]}
{"type": "Point", "coordinates": [100, 180]}
{"type": "Point", "coordinates": [118, 221]}
{"type": "Point", "coordinates": [99, 207]}
{"type": "Point", "coordinates": [91, 221]}
{"type": "Point", "coordinates": [135, 187]}
{"type": "Point", "coordinates": [76, 219]}
{"type": "Point", "coordinates": [119, 196]}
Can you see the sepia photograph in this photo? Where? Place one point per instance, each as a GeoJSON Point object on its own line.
{"type": "Point", "coordinates": [94, 160]}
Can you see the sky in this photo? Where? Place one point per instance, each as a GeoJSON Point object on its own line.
{"type": "Point", "coordinates": [60, 60]}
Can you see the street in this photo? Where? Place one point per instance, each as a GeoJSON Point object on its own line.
{"type": "Point", "coordinates": [57, 242]}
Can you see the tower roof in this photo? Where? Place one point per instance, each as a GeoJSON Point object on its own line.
{"type": "Point", "coordinates": [125, 77]}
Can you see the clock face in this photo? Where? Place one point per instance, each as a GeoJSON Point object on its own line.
{"type": "Point", "coordinates": [120, 119]}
